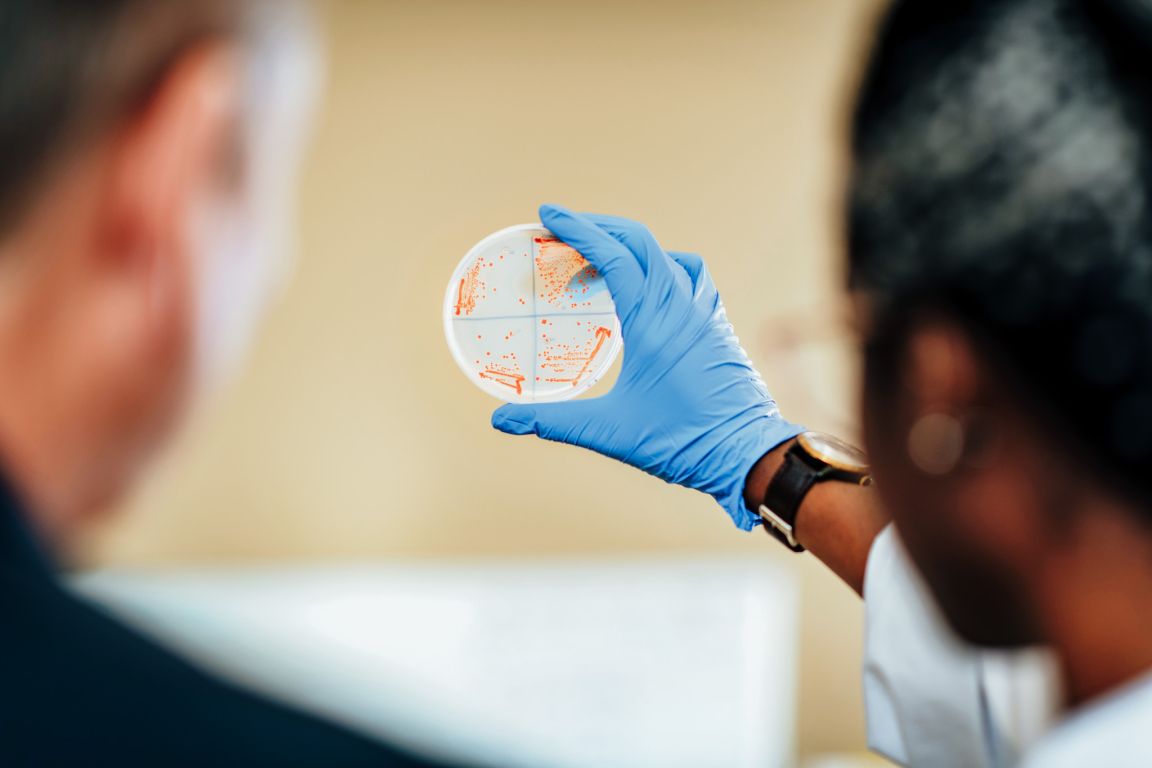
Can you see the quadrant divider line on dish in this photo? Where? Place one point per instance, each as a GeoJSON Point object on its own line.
{"type": "Point", "coordinates": [536, 316]}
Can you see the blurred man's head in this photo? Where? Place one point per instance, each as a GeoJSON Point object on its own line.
{"type": "Point", "coordinates": [1001, 236]}
{"type": "Point", "coordinates": [142, 173]}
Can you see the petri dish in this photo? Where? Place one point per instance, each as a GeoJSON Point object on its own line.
{"type": "Point", "coordinates": [528, 319]}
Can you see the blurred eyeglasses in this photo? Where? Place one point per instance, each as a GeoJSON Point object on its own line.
{"type": "Point", "coordinates": [810, 359]}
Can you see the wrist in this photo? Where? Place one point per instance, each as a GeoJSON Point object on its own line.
{"type": "Point", "coordinates": [761, 474]}
{"type": "Point", "coordinates": [746, 451]}
{"type": "Point", "coordinates": [835, 521]}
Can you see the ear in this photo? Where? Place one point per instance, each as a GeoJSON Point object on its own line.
{"type": "Point", "coordinates": [941, 371]}
{"type": "Point", "coordinates": [171, 154]}
{"type": "Point", "coordinates": [165, 163]}
{"type": "Point", "coordinates": [994, 499]}
{"type": "Point", "coordinates": [956, 407]}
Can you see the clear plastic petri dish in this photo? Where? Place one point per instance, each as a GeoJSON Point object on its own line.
{"type": "Point", "coordinates": [528, 319]}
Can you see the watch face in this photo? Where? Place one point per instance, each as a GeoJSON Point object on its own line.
{"type": "Point", "coordinates": [834, 452]}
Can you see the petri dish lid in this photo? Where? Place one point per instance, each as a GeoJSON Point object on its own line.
{"type": "Point", "coordinates": [528, 319]}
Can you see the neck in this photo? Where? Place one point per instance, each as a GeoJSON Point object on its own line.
{"type": "Point", "coordinates": [30, 432]}
{"type": "Point", "coordinates": [1096, 601]}
{"type": "Point", "coordinates": [43, 436]}
{"type": "Point", "coordinates": [63, 353]}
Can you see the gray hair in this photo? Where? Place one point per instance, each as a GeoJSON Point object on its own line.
{"type": "Point", "coordinates": [71, 68]}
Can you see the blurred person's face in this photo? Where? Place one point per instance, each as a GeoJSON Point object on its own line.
{"type": "Point", "coordinates": [136, 276]}
{"type": "Point", "coordinates": [971, 484]}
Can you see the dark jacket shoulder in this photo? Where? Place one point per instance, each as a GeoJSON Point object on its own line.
{"type": "Point", "coordinates": [78, 688]}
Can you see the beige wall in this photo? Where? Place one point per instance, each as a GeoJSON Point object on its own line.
{"type": "Point", "coordinates": [353, 435]}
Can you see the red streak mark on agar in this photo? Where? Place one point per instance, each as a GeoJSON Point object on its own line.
{"type": "Point", "coordinates": [472, 289]}
{"type": "Point", "coordinates": [505, 377]}
{"type": "Point", "coordinates": [470, 286]}
{"type": "Point", "coordinates": [602, 333]}
{"type": "Point", "coordinates": [562, 358]}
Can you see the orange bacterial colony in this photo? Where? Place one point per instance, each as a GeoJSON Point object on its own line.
{"type": "Point", "coordinates": [471, 287]}
{"type": "Point", "coordinates": [528, 319]}
{"type": "Point", "coordinates": [564, 274]}
{"type": "Point", "coordinates": [505, 377]}
{"type": "Point", "coordinates": [568, 363]}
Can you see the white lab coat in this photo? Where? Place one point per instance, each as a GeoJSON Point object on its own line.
{"type": "Point", "coordinates": [933, 701]}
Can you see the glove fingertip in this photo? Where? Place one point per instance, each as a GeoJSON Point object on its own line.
{"type": "Point", "coordinates": [514, 420]}
{"type": "Point", "coordinates": [549, 211]}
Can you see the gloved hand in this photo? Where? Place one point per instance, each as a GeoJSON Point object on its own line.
{"type": "Point", "coordinates": [688, 407]}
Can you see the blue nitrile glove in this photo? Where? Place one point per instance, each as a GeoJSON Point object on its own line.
{"type": "Point", "coordinates": [688, 407]}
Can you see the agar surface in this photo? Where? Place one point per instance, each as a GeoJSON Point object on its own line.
{"type": "Point", "coordinates": [472, 287]}
{"type": "Point", "coordinates": [564, 274]}
{"type": "Point", "coordinates": [532, 318]}
{"type": "Point", "coordinates": [507, 371]}
{"type": "Point", "coordinates": [505, 376]}
{"type": "Point", "coordinates": [569, 363]}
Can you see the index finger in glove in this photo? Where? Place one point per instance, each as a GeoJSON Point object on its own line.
{"type": "Point", "coordinates": [612, 259]}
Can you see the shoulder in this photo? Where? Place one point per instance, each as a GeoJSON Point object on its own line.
{"type": "Point", "coordinates": [81, 688]}
{"type": "Point", "coordinates": [1112, 731]}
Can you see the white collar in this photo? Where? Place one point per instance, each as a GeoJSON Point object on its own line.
{"type": "Point", "coordinates": [1115, 731]}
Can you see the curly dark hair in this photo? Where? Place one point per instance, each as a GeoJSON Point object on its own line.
{"type": "Point", "coordinates": [1002, 175]}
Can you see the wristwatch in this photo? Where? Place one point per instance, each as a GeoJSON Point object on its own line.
{"type": "Point", "coordinates": [813, 458]}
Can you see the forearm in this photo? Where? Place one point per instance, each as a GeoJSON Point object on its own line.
{"type": "Point", "coordinates": [837, 522]}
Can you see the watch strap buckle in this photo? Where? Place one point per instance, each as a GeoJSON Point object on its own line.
{"type": "Point", "coordinates": [780, 528]}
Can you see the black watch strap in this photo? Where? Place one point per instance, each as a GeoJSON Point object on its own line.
{"type": "Point", "coordinates": [786, 490]}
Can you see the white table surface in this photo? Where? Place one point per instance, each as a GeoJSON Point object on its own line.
{"type": "Point", "coordinates": [622, 663]}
